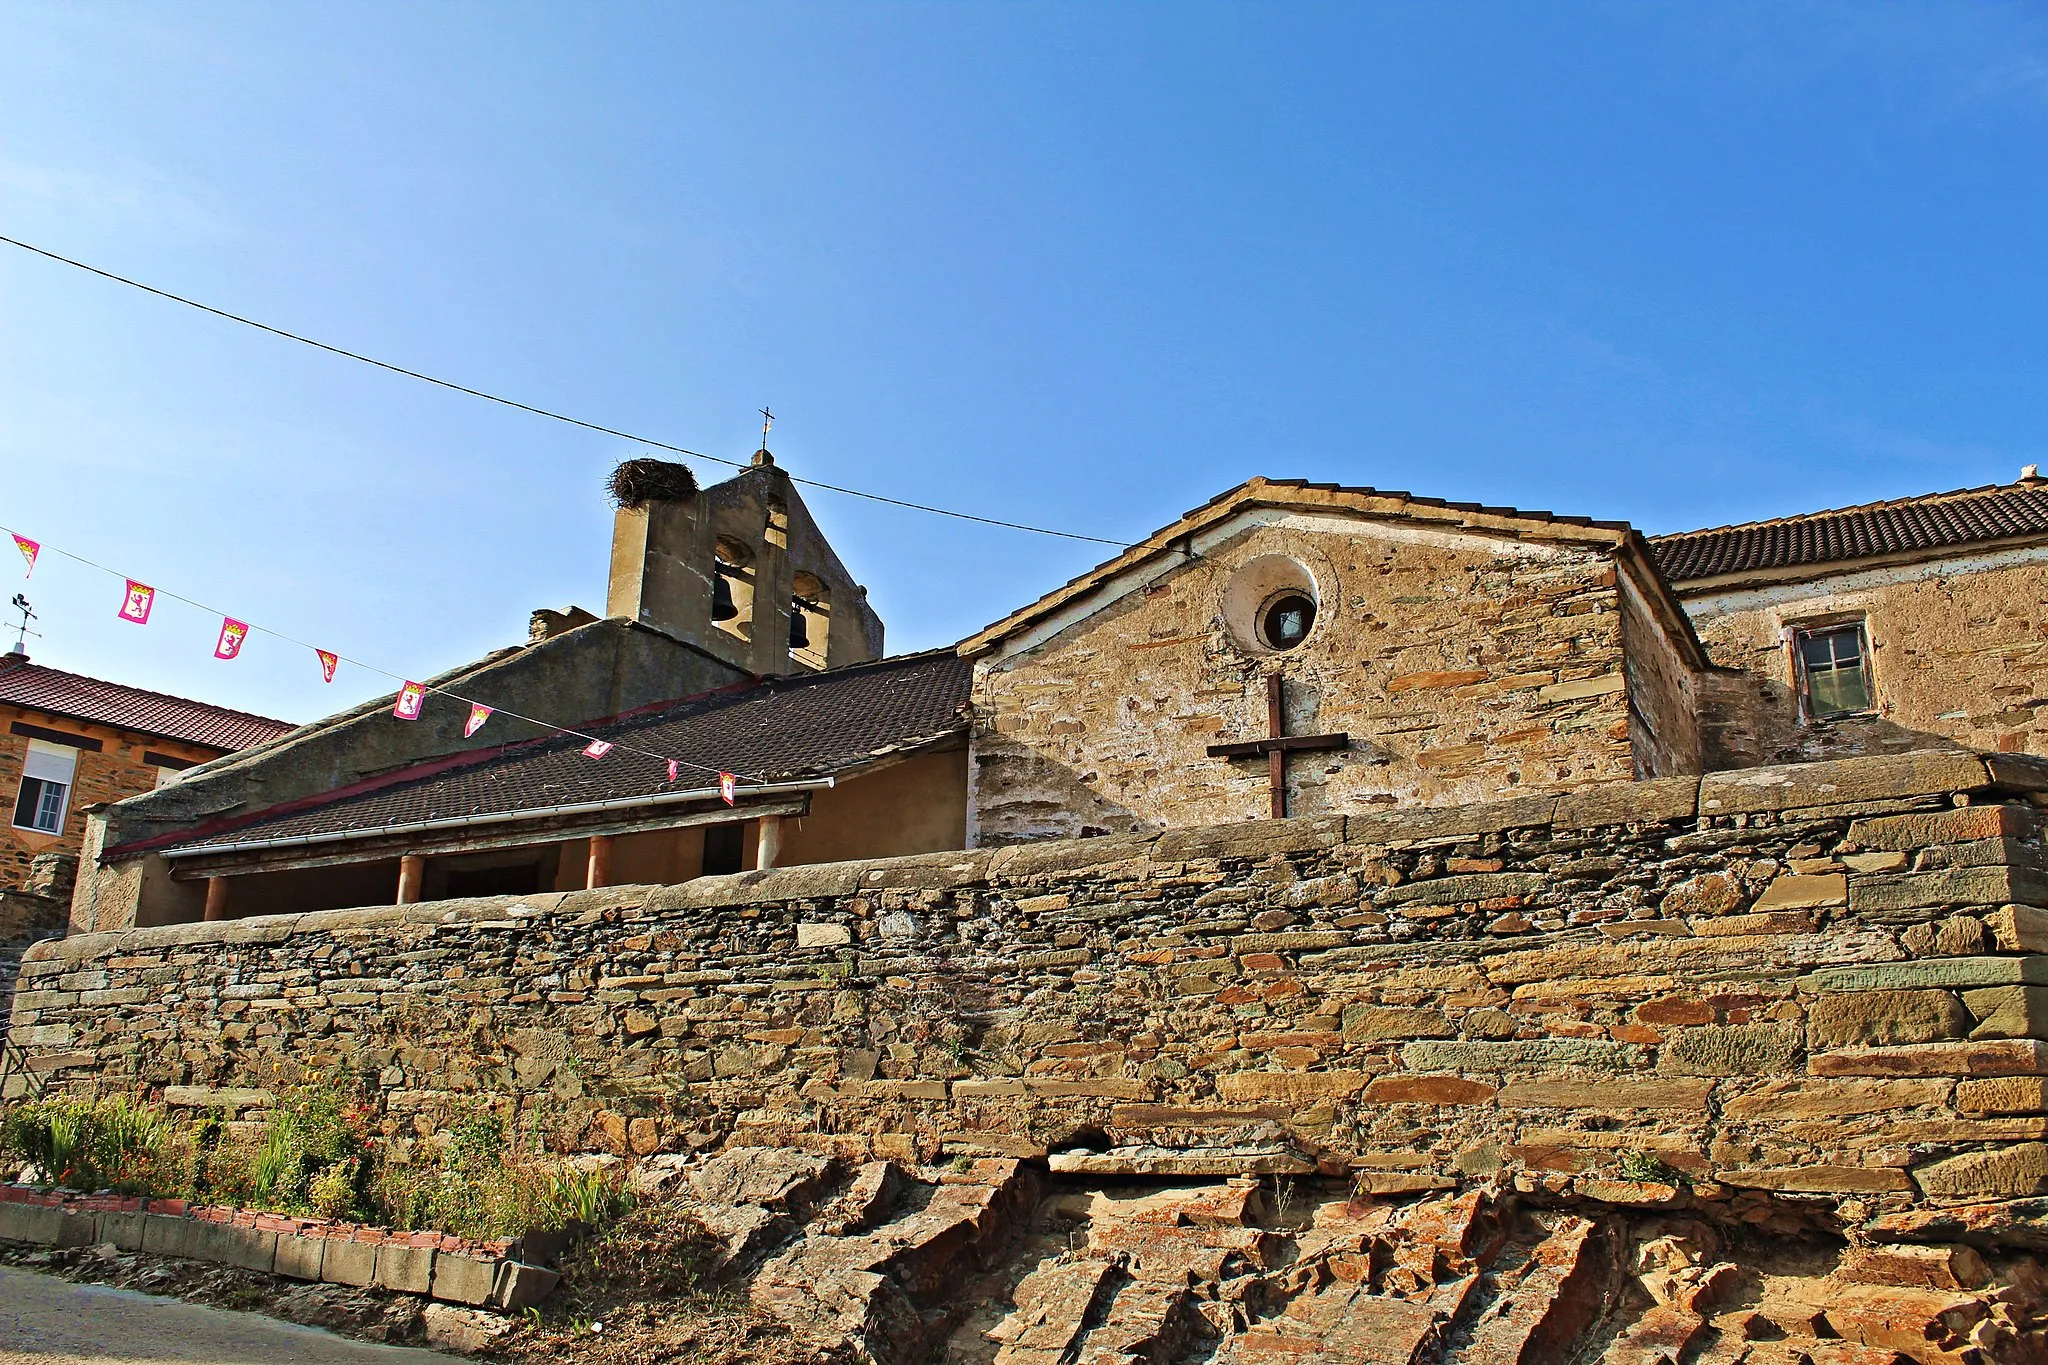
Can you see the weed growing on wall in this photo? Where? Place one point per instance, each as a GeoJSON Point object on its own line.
{"type": "Point", "coordinates": [314, 1155]}
{"type": "Point", "coordinates": [111, 1143]}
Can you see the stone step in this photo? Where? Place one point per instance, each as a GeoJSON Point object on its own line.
{"type": "Point", "coordinates": [1897, 1318]}
{"type": "Point", "coordinates": [894, 1288]}
{"type": "Point", "coordinates": [1053, 1307]}
{"type": "Point", "coordinates": [1347, 1324]}
{"type": "Point", "coordinates": [1147, 1324]}
{"type": "Point", "coordinates": [1538, 1308]}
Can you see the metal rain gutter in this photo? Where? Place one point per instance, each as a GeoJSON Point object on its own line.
{"type": "Point", "coordinates": [504, 817]}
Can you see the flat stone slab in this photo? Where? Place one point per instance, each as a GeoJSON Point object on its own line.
{"type": "Point", "coordinates": [1986, 1057]}
{"type": "Point", "coordinates": [299, 1257]}
{"type": "Point", "coordinates": [1890, 892]}
{"type": "Point", "coordinates": [2031, 970]}
{"type": "Point", "coordinates": [1211, 1161]}
{"type": "Point", "coordinates": [520, 1286]}
{"type": "Point", "coordinates": [464, 1279]}
{"type": "Point", "coordinates": [204, 1097]}
{"type": "Point", "coordinates": [1840, 782]}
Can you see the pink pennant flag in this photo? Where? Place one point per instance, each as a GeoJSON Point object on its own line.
{"type": "Point", "coordinates": [728, 787]}
{"type": "Point", "coordinates": [673, 768]}
{"type": "Point", "coordinates": [232, 633]}
{"type": "Point", "coordinates": [328, 663]}
{"type": "Point", "coordinates": [478, 714]}
{"type": "Point", "coordinates": [29, 550]}
{"type": "Point", "coordinates": [135, 606]}
{"type": "Point", "coordinates": [597, 748]}
{"type": "Point", "coordinates": [411, 698]}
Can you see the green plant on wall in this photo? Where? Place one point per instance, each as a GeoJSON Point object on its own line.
{"type": "Point", "coordinates": [310, 1157]}
{"type": "Point", "coordinates": [1635, 1164]}
{"type": "Point", "coordinates": [93, 1144]}
{"type": "Point", "coordinates": [314, 1155]}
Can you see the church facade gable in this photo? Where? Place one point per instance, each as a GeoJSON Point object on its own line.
{"type": "Point", "coordinates": [1438, 664]}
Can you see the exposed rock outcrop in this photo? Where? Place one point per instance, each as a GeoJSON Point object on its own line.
{"type": "Point", "coordinates": [998, 1263]}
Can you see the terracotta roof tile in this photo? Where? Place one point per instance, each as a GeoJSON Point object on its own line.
{"type": "Point", "coordinates": [1932, 521]}
{"type": "Point", "coordinates": [132, 708]}
{"type": "Point", "coordinates": [782, 730]}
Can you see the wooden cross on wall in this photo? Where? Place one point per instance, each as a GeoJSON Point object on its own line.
{"type": "Point", "coordinates": [1277, 745]}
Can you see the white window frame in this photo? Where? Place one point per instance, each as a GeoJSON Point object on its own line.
{"type": "Point", "coordinates": [48, 765]}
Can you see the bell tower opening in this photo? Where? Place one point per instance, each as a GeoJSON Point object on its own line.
{"type": "Point", "coordinates": [732, 588]}
{"type": "Point", "coordinates": [810, 621]}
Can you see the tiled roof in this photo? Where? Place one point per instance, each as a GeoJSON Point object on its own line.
{"type": "Point", "coordinates": [1933, 521]}
{"type": "Point", "coordinates": [132, 708]}
{"type": "Point", "coordinates": [782, 730]}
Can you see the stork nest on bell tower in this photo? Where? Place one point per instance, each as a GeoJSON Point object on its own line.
{"type": "Point", "coordinates": [639, 482]}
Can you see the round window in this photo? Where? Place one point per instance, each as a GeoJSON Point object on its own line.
{"type": "Point", "coordinates": [1269, 604]}
{"type": "Point", "coordinates": [1286, 620]}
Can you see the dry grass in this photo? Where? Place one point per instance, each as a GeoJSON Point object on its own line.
{"type": "Point", "coordinates": [644, 1293]}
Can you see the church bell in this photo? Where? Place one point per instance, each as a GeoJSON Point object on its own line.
{"type": "Point", "coordinates": [799, 629]}
{"type": "Point", "coordinates": [722, 608]}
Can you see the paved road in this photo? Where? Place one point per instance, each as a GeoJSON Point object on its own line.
{"type": "Point", "coordinates": [49, 1321]}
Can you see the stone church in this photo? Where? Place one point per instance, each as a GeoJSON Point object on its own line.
{"type": "Point", "coordinates": [1287, 649]}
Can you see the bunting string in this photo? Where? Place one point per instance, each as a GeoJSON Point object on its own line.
{"type": "Point", "coordinates": [139, 600]}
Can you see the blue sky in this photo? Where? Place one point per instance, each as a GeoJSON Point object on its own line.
{"type": "Point", "coordinates": [1080, 265]}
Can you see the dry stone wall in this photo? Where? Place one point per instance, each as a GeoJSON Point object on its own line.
{"type": "Point", "coordinates": [1825, 979]}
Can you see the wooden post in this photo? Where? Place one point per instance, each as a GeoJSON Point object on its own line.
{"type": "Point", "coordinates": [412, 874]}
{"type": "Point", "coordinates": [1276, 746]}
{"type": "Point", "coordinates": [768, 845]}
{"type": "Point", "coordinates": [216, 898]}
{"type": "Point", "coordinates": [1276, 761]}
{"type": "Point", "coordinates": [599, 870]}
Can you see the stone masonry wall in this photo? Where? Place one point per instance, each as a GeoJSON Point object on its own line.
{"type": "Point", "coordinates": [1664, 691]}
{"type": "Point", "coordinates": [1821, 979]}
{"type": "Point", "coordinates": [1959, 658]}
{"type": "Point", "coordinates": [1462, 667]}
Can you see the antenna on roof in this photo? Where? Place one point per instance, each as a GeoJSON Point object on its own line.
{"type": "Point", "coordinates": [28, 614]}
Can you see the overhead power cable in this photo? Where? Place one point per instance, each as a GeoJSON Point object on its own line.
{"type": "Point", "coordinates": [542, 412]}
{"type": "Point", "coordinates": [387, 673]}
